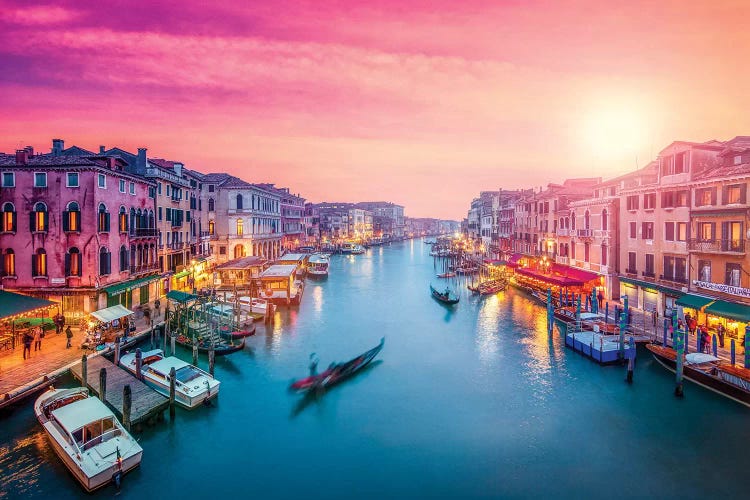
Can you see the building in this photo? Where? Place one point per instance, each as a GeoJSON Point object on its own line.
{"type": "Point", "coordinates": [77, 228]}
{"type": "Point", "coordinates": [292, 217]}
{"type": "Point", "coordinates": [388, 219]}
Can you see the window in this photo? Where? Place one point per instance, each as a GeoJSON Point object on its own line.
{"type": "Point", "coordinates": [649, 201]}
{"type": "Point", "coordinates": [647, 230]}
{"type": "Point", "coordinates": [676, 164]}
{"type": "Point", "coordinates": [124, 258]}
{"type": "Point", "coordinates": [586, 251]}
{"type": "Point", "coordinates": [631, 263]}
{"type": "Point", "coordinates": [669, 231]}
{"type": "Point", "coordinates": [9, 220]}
{"type": "Point", "coordinates": [239, 202]}
{"type": "Point", "coordinates": [122, 185]}
{"type": "Point", "coordinates": [9, 263]}
{"type": "Point", "coordinates": [704, 270]}
{"type": "Point", "coordinates": [681, 231]}
{"type": "Point", "coordinates": [72, 180]}
{"type": "Point", "coordinates": [668, 268]}
{"type": "Point", "coordinates": [731, 236]}
{"type": "Point", "coordinates": [671, 199]}
{"type": "Point", "coordinates": [680, 270]}
{"type": "Point", "coordinates": [168, 214]}
{"type": "Point", "coordinates": [40, 179]}
{"type": "Point", "coordinates": [9, 179]}
{"type": "Point", "coordinates": [122, 220]}
{"type": "Point", "coordinates": [240, 229]}
{"type": "Point", "coordinates": [573, 221]}
{"type": "Point", "coordinates": [649, 265]}
{"type": "Point", "coordinates": [158, 188]}
{"type": "Point", "coordinates": [734, 194]}
{"type": "Point", "coordinates": [605, 222]}
{"type": "Point", "coordinates": [211, 227]}
{"type": "Point", "coordinates": [39, 218]}
{"type": "Point", "coordinates": [73, 262]}
{"type": "Point", "coordinates": [737, 160]}
{"type": "Point", "coordinates": [104, 262]}
{"type": "Point", "coordinates": [168, 189]}
{"type": "Point", "coordinates": [210, 204]}
{"type": "Point", "coordinates": [732, 276]}
{"type": "Point", "coordinates": [706, 231]}
{"type": "Point", "coordinates": [604, 255]}
{"type": "Point", "coordinates": [210, 188]}
{"type": "Point", "coordinates": [39, 263]}
{"type": "Point", "coordinates": [587, 220]}
{"type": "Point", "coordinates": [222, 250]}
{"type": "Point", "coordinates": [151, 192]}
{"type": "Point", "coordinates": [72, 218]}
{"type": "Point", "coordinates": [159, 212]}
{"type": "Point", "coordinates": [705, 197]}
{"type": "Point", "coordinates": [102, 181]}
{"type": "Point", "coordinates": [132, 188]}
{"type": "Point", "coordinates": [633, 234]}
{"type": "Point", "coordinates": [632, 202]}
{"type": "Point", "coordinates": [103, 219]}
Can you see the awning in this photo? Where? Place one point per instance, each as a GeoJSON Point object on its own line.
{"type": "Point", "coordinates": [13, 304]}
{"type": "Point", "coordinates": [730, 310]}
{"type": "Point", "coordinates": [181, 274]}
{"type": "Point", "coordinates": [126, 286]}
{"type": "Point", "coordinates": [111, 313]}
{"type": "Point", "coordinates": [513, 261]}
{"type": "Point", "coordinates": [552, 279]}
{"type": "Point", "coordinates": [180, 297]}
{"type": "Point", "coordinates": [573, 272]}
{"type": "Point", "coordinates": [652, 286]}
{"type": "Point", "coordinates": [494, 262]}
{"type": "Point", "coordinates": [693, 301]}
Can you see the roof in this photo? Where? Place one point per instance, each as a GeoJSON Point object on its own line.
{"type": "Point", "coordinates": [112, 313]}
{"type": "Point", "coordinates": [180, 297]}
{"type": "Point", "coordinates": [12, 304]}
{"type": "Point", "coordinates": [279, 271]}
{"type": "Point", "coordinates": [160, 162]}
{"type": "Point", "coordinates": [242, 263]}
{"type": "Point", "coordinates": [214, 177]}
{"type": "Point", "coordinates": [165, 364]}
{"type": "Point", "coordinates": [54, 161]}
{"type": "Point", "coordinates": [75, 415]}
{"type": "Point", "coordinates": [289, 257]}
{"type": "Point", "coordinates": [729, 171]}
{"type": "Point", "coordinates": [125, 286]}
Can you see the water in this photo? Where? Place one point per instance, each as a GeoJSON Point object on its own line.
{"type": "Point", "coordinates": [468, 402]}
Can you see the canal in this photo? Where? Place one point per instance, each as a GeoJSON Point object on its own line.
{"type": "Point", "coordinates": [473, 401]}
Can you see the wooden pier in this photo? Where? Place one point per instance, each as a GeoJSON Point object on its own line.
{"type": "Point", "coordinates": [147, 404]}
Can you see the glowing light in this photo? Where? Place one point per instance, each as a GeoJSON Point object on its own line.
{"type": "Point", "coordinates": [615, 128]}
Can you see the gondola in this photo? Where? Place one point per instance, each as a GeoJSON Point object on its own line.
{"type": "Point", "coordinates": [449, 274]}
{"type": "Point", "coordinates": [220, 348]}
{"type": "Point", "coordinates": [337, 371]}
{"type": "Point", "coordinates": [248, 331]}
{"type": "Point", "coordinates": [446, 297]}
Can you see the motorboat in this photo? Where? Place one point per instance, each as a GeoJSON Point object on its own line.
{"type": "Point", "coordinates": [193, 386]}
{"type": "Point", "coordinates": [87, 437]}
{"type": "Point", "coordinates": [449, 274]}
{"type": "Point", "coordinates": [317, 266]}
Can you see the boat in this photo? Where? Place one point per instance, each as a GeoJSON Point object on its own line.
{"type": "Point", "coordinates": [708, 371]}
{"type": "Point", "coordinates": [87, 437]}
{"type": "Point", "coordinates": [358, 249]}
{"type": "Point", "coordinates": [317, 266]}
{"type": "Point", "coordinates": [347, 247]}
{"type": "Point", "coordinates": [489, 287]}
{"type": "Point", "coordinates": [193, 386]}
{"type": "Point", "coordinates": [337, 371]}
{"type": "Point", "coordinates": [449, 274]}
{"type": "Point", "coordinates": [593, 322]}
{"type": "Point", "coordinates": [467, 270]}
{"type": "Point", "coordinates": [447, 297]}
{"type": "Point", "coordinates": [221, 348]}
{"type": "Point", "coordinates": [249, 331]}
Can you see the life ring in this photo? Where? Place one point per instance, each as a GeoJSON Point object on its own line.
{"type": "Point", "coordinates": [269, 292]}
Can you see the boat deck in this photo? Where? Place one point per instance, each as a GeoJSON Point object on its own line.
{"type": "Point", "coordinates": [146, 404]}
{"type": "Point", "coordinates": [603, 349]}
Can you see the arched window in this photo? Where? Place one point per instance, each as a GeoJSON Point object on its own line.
{"type": "Point", "coordinates": [151, 220]}
{"type": "Point", "coordinates": [239, 251]}
{"type": "Point", "coordinates": [138, 219]}
{"type": "Point", "coordinates": [73, 262]}
{"type": "Point", "coordinates": [605, 222]}
{"type": "Point", "coordinates": [122, 220]}
{"type": "Point", "coordinates": [39, 218]}
{"type": "Point", "coordinates": [211, 228]}
{"type": "Point", "coordinates": [39, 263]}
{"type": "Point", "coordinates": [604, 255]}
{"type": "Point", "coordinates": [9, 221]}
{"type": "Point", "coordinates": [72, 218]}
{"type": "Point", "coordinates": [9, 263]}
{"type": "Point", "coordinates": [103, 221]}
{"type": "Point", "coordinates": [133, 221]}
{"type": "Point", "coordinates": [123, 258]}
{"type": "Point", "coordinates": [239, 202]}
{"type": "Point", "coordinates": [573, 221]}
{"type": "Point", "coordinates": [210, 204]}
{"type": "Point", "coordinates": [105, 262]}
{"type": "Point", "coordinates": [587, 220]}
{"type": "Point", "coordinates": [572, 249]}
{"type": "Point", "coordinates": [240, 228]}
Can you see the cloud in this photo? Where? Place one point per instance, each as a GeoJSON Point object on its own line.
{"type": "Point", "coordinates": [39, 15]}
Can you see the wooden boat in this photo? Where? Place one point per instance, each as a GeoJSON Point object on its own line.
{"type": "Point", "coordinates": [248, 331]}
{"type": "Point", "coordinates": [708, 371]}
{"type": "Point", "coordinates": [87, 437]}
{"type": "Point", "coordinates": [447, 297]}
{"type": "Point", "coordinates": [193, 386]}
{"type": "Point", "coordinates": [467, 270]}
{"type": "Point", "coordinates": [221, 348]}
{"type": "Point", "coordinates": [337, 371]}
{"type": "Point", "coordinates": [490, 286]}
{"type": "Point", "coordinates": [589, 321]}
{"type": "Point", "coordinates": [449, 274]}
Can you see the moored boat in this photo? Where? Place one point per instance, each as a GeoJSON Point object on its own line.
{"type": "Point", "coordinates": [87, 437]}
{"type": "Point", "coordinates": [447, 297]}
{"type": "Point", "coordinates": [221, 348]}
{"type": "Point", "coordinates": [317, 266]}
{"type": "Point", "coordinates": [193, 386]}
{"type": "Point", "coordinates": [449, 274]}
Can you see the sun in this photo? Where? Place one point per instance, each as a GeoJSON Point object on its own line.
{"type": "Point", "coordinates": [615, 130]}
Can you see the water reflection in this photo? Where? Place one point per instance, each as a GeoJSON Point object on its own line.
{"type": "Point", "coordinates": [487, 338]}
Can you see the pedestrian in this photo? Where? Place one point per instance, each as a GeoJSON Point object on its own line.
{"type": "Point", "coordinates": [705, 340]}
{"type": "Point", "coordinates": [693, 325]}
{"type": "Point", "coordinates": [655, 317]}
{"type": "Point", "coordinates": [157, 306]}
{"type": "Point", "coordinates": [720, 333]}
{"type": "Point", "coordinates": [38, 338]}
{"type": "Point", "coordinates": [600, 298]}
{"type": "Point", "coordinates": [27, 339]}
{"type": "Point", "coordinates": [69, 335]}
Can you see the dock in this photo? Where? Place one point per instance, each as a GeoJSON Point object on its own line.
{"type": "Point", "coordinates": [147, 404]}
{"type": "Point", "coordinates": [604, 349]}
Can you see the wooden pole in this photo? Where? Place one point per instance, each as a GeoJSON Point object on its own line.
{"type": "Point", "coordinates": [211, 357]}
{"type": "Point", "coordinates": [117, 351]}
{"type": "Point", "coordinates": [631, 361]}
{"type": "Point", "coordinates": [623, 325]}
{"type": "Point", "coordinates": [138, 363]}
{"type": "Point", "coordinates": [84, 371]}
{"type": "Point", "coordinates": [103, 384]}
{"type": "Point", "coordinates": [715, 344]}
{"type": "Point", "coordinates": [747, 346]}
{"type": "Point", "coordinates": [679, 342]}
{"type": "Point", "coordinates": [666, 327]}
{"type": "Point", "coordinates": [173, 337]}
{"type": "Point", "coordinates": [152, 338]}
{"type": "Point", "coordinates": [733, 351]}
{"type": "Point", "coordinates": [195, 351]}
{"type": "Point", "coordinates": [126, 404]}
{"type": "Point", "coordinates": [172, 377]}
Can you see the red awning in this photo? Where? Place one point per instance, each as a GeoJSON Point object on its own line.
{"type": "Point", "coordinates": [494, 262]}
{"type": "Point", "coordinates": [513, 261]}
{"type": "Point", "coordinates": [553, 279]}
{"type": "Point", "coordinates": [573, 272]}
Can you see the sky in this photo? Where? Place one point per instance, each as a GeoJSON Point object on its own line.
{"type": "Point", "coordinates": [423, 103]}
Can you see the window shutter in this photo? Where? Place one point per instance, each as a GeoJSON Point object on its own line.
{"type": "Point", "coordinates": [713, 196]}
{"type": "Point", "coordinates": [67, 264]}
{"type": "Point", "coordinates": [46, 221]}
{"type": "Point", "coordinates": [109, 263]}
{"type": "Point", "coordinates": [2, 265]}
{"type": "Point", "coordinates": [106, 222]}
{"type": "Point", "coordinates": [33, 265]}
{"type": "Point", "coordinates": [32, 221]}
{"type": "Point", "coordinates": [743, 193]}
{"type": "Point", "coordinates": [66, 221]}
{"type": "Point", "coordinates": [14, 222]}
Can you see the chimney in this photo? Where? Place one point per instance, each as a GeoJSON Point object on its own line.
{"type": "Point", "coordinates": [30, 150]}
{"type": "Point", "coordinates": [22, 156]}
{"type": "Point", "coordinates": [140, 164]}
{"type": "Point", "coordinates": [57, 146]}
{"type": "Point", "coordinates": [102, 149]}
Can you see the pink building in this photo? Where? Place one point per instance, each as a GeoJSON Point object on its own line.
{"type": "Point", "coordinates": [77, 229]}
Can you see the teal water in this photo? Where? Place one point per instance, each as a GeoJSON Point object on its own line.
{"type": "Point", "coordinates": [473, 401]}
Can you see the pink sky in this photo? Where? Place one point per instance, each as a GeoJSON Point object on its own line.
{"type": "Point", "coordinates": [423, 103]}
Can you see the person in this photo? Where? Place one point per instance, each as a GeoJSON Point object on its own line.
{"type": "Point", "coordinates": [693, 325]}
{"type": "Point", "coordinates": [27, 339]}
{"type": "Point", "coordinates": [679, 325]}
{"type": "Point", "coordinates": [655, 317]}
{"type": "Point", "coordinates": [69, 335]}
{"type": "Point", "coordinates": [600, 298]}
{"type": "Point", "coordinates": [59, 323]}
{"type": "Point", "coordinates": [705, 340]}
{"type": "Point", "coordinates": [38, 338]}
{"type": "Point", "coordinates": [720, 333]}
{"type": "Point", "coordinates": [313, 365]}
{"type": "Point", "coordinates": [157, 306]}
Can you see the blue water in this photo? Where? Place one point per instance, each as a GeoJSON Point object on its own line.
{"type": "Point", "coordinates": [473, 401]}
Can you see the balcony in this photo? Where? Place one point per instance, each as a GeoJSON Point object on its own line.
{"type": "Point", "coordinates": [146, 268]}
{"type": "Point", "coordinates": [632, 271]}
{"type": "Point", "coordinates": [717, 245]}
{"type": "Point", "coordinates": [585, 233]}
{"type": "Point", "coordinates": [602, 233]}
{"type": "Point", "coordinates": [673, 279]}
{"type": "Point", "coordinates": [564, 260]}
{"type": "Point", "coordinates": [648, 274]}
{"type": "Point", "coordinates": [563, 232]}
{"type": "Point", "coordinates": [142, 232]}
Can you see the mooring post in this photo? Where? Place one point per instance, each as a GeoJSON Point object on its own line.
{"type": "Point", "coordinates": [679, 341]}
{"type": "Point", "coordinates": [152, 338]}
{"type": "Point", "coordinates": [126, 404]}
{"type": "Point", "coordinates": [715, 345]}
{"type": "Point", "coordinates": [623, 325]}
{"type": "Point", "coordinates": [163, 333]}
{"type": "Point", "coordinates": [172, 338]}
{"type": "Point", "coordinates": [103, 384]}
{"type": "Point", "coordinates": [606, 313]}
{"type": "Point", "coordinates": [747, 346]}
{"type": "Point", "coordinates": [666, 327]}
{"type": "Point", "coordinates": [195, 352]}
{"type": "Point", "coordinates": [84, 371]}
{"type": "Point", "coordinates": [138, 363]}
{"type": "Point", "coordinates": [211, 358]}
{"type": "Point", "coordinates": [117, 351]}
{"type": "Point", "coordinates": [549, 310]}
{"type": "Point", "coordinates": [631, 360]}
{"type": "Point", "coordinates": [732, 351]}
{"type": "Point", "coordinates": [172, 377]}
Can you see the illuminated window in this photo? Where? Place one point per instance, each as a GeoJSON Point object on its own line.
{"type": "Point", "coordinates": [72, 218]}
{"type": "Point", "coordinates": [39, 218]}
{"type": "Point", "coordinates": [103, 219]}
{"type": "Point", "coordinates": [39, 263]}
{"type": "Point", "coordinates": [211, 227]}
{"type": "Point", "coordinates": [73, 262]}
{"type": "Point", "coordinates": [122, 220]}
{"type": "Point", "coordinates": [9, 218]}
{"type": "Point", "coordinates": [240, 230]}
{"type": "Point", "coordinates": [9, 263]}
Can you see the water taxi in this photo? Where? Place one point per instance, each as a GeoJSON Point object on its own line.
{"type": "Point", "coordinates": [317, 266]}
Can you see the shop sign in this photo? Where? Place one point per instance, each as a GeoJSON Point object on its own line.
{"type": "Point", "coordinates": [719, 287]}
{"type": "Point", "coordinates": [57, 281]}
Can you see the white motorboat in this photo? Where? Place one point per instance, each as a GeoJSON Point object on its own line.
{"type": "Point", "coordinates": [358, 249]}
{"type": "Point", "coordinates": [193, 386]}
{"type": "Point", "coordinates": [87, 436]}
{"type": "Point", "coordinates": [317, 265]}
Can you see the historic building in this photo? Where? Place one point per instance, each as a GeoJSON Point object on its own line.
{"type": "Point", "coordinates": [292, 217]}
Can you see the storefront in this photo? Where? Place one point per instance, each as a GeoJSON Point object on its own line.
{"type": "Point", "coordinates": [649, 297]}
{"type": "Point", "coordinates": [694, 305]}
{"type": "Point", "coordinates": [732, 315]}
{"type": "Point", "coordinates": [132, 292]}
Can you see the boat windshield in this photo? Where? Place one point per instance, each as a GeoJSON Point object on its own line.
{"type": "Point", "coordinates": [186, 374]}
{"type": "Point", "coordinates": [95, 433]}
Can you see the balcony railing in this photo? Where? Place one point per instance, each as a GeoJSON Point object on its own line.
{"type": "Point", "coordinates": [142, 232]}
{"type": "Point", "coordinates": [673, 279]}
{"type": "Point", "coordinates": [631, 271]}
{"type": "Point", "coordinates": [563, 232]}
{"type": "Point", "coordinates": [717, 245]}
{"type": "Point", "coordinates": [648, 274]}
{"type": "Point", "coordinates": [564, 260]}
{"type": "Point", "coordinates": [144, 268]}
{"type": "Point", "coordinates": [602, 233]}
{"type": "Point", "coordinates": [585, 233]}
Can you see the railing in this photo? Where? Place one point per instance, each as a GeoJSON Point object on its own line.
{"type": "Point", "coordinates": [717, 245]}
{"type": "Point", "coordinates": [602, 233]}
{"type": "Point", "coordinates": [648, 274]}
{"type": "Point", "coordinates": [141, 232]}
{"type": "Point", "coordinates": [562, 260]}
{"type": "Point", "coordinates": [144, 268]}
{"type": "Point", "coordinates": [563, 232]}
{"type": "Point", "coordinates": [631, 271]}
{"type": "Point", "coordinates": [585, 233]}
{"type": "Point", "coordinates": [673, 279]}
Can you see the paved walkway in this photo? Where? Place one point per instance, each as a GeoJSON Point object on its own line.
{"type": "Point", "coordinates": [17, 373]}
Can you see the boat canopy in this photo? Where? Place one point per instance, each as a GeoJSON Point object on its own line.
{"type": "Point", "coordinates": [696, 358]}
{"type": "Point", "coordinates": [573, 272]}
{"type": "Point", "coordinates": [83, 412]}
{"type": "Point", "coordinates": [109, 314]}
{"type": "Point", "coordinates": [513, 261]}
{"type": "Point", "coordinates": [279, 271]}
